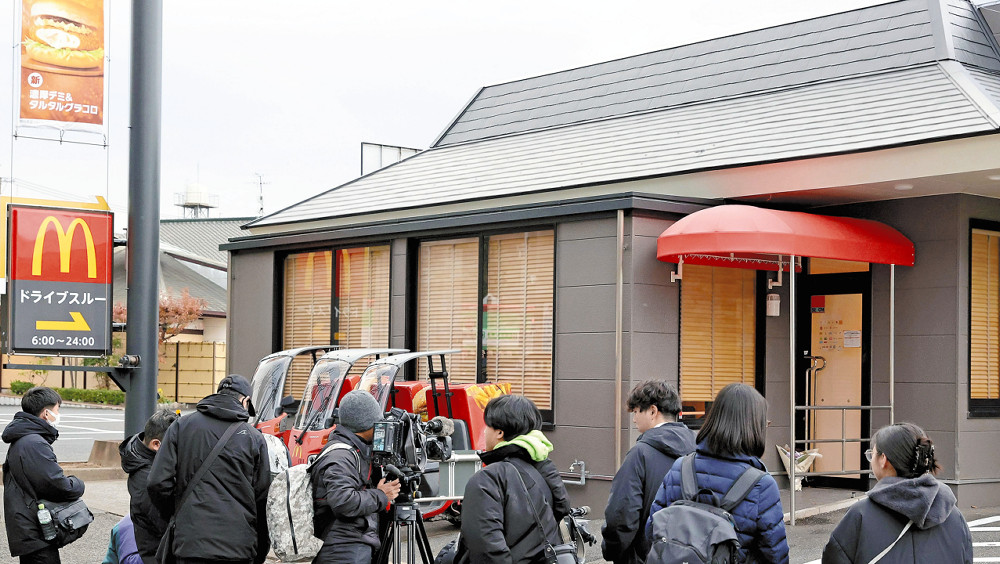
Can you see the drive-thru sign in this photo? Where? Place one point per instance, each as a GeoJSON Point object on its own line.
{"type": "Point", "coordinates": [59, 284]}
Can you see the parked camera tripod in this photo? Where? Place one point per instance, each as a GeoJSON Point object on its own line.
{"type": "Point", "coordinates": [406, 522]}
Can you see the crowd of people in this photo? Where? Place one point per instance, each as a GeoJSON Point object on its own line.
{"type": "Point", "coordinates": [199, 483]}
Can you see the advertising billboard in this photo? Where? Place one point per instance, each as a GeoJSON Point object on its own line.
{"type": "Point", "coordinates": [59, 284]}
{"type": "Point", "coordinates": [62, 63]}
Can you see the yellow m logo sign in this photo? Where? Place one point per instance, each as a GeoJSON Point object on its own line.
{"type": "Point", "coordinates": [65, 246]}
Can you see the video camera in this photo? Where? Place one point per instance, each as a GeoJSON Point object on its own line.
{"type": "Point", "coordinates": [403, 442]}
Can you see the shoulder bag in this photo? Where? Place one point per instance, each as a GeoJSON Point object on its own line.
{"type": "Point", "coordinates": [165, 552]}
{"type": "Point", "coordinates": [558, 554]}
{"type": "Point", "coordinates": [70, 517]}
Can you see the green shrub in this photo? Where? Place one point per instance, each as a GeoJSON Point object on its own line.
{"type": "Point", "coordinates": [108, 397]}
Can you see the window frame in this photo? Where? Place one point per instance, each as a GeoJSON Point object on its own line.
{"type": "Point", "coordinates": [413, 306]}
{"type": "Point", "coordinates": [280, 259]}
{"type": "Point", "coordinates": [977, 408]}
{"type": "Point", "coordinates": [760, 333]}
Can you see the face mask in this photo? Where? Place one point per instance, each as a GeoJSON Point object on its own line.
{"type": "Point", "coordinates": [55, 422]}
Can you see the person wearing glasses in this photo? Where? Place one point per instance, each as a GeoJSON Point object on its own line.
{"type": "Point", "coordinates": [909, 516]}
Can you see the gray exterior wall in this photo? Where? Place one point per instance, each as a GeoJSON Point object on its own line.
{"type": "Point", "coordinates": [584, 354]}
{"type": "Point", "coordinates": [397, 294]}
{"type": "Point", "coordinates": [252, 283]}
{"type": "Point", "coordinates": [932, 341]}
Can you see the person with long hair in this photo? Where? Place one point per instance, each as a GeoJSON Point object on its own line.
{"type": "Point", "coordinates": [730, 441]}
{"type": "Point", "coordinates": [909, 516]}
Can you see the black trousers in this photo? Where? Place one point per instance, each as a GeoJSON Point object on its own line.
{"type": "Point", "coordinates": [47, 555]}
{"type": "Point", "coordinates": [352, 552]}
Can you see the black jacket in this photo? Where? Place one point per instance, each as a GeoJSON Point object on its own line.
{"type": "Point", "coordinates": [223, 517]}
{"type": "Point", "coordinates": [147, 523]}
{"type": "Point", "coordinates": [31, 462]}
{"type": "Point", "coordinates": [938, 534]}
{"type": "Point", "coordinates": [345, 504]}
{"type": "Point", "coordinates": [496, 516]}
{"type": "Point", "coordinates": [634, 488]}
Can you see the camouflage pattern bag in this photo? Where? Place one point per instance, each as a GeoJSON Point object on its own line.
{"type": "Point", "coordinates": [290, 512]}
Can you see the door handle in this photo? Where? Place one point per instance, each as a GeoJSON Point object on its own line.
{"type": "Point", "coordinates": [813, 360]}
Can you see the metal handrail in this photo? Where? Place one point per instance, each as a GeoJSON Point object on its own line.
{"type": "Point", "coordinates": [843, 440]}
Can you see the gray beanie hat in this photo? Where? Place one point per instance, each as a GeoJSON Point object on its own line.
{"type": "Point", "coordinates": [359, 411]}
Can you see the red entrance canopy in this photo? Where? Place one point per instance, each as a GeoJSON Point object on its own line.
{"type": "Point", "coordinates": [749, 237]}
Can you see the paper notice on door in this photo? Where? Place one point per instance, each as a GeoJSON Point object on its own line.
{"type": "Point", "coordinates": [852, 339]}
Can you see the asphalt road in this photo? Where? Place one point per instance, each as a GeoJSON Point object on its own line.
{"type": "Point", "coordinates": [78, 429]}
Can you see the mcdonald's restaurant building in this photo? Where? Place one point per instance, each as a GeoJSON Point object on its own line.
{"type": "Point", "coordinates": [527, 237]}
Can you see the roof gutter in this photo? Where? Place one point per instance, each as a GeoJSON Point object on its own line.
{"type": "Point", "coordinates": [465, 219]}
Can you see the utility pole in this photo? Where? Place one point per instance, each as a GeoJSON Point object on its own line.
{"type": "Point", "coordinates": [142, 324]}
{"type": "Point", "coordinates": [260, 185]}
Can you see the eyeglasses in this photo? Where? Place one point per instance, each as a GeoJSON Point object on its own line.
{"type": "Point", "coordinates": [869, 454]}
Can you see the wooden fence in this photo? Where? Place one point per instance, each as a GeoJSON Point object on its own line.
{"type": "Point", "coordinates": [187, 373]}
{"type": "Point", "coordinates": [190, 371]}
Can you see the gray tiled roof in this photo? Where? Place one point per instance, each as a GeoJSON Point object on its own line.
{"type": "Point", "coordinates": [841, 45]}
{"type": "Point", "coordinates": [174, 278]}
{"type": "Point", "coordinates": [202, 237]}
{"type": "Point", "coordinates": [904, 72]}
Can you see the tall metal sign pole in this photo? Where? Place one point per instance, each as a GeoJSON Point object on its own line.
{"type": "Point", "coordinates": [142, 323]}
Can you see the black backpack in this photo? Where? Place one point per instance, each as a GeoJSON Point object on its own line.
{"type": "Point", "coordinates": [689, 531]}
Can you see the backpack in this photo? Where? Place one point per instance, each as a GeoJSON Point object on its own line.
{"type": "Point", "coordinates": [689, 531]}
{"type": "Point", "coordinates": [277, 454]}
{"type": "Point", "coordinates": [290, 510]}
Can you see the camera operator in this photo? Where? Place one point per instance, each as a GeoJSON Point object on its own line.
{"type": "Point", "coordinates": [346, 505]}
{"type": "Point", "coordinates": [496, 522]}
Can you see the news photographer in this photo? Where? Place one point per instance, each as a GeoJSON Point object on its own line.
{"type": "Point", "coordinates": [518, 481]}
{"type": "Point", "coordinates": [346, 505]}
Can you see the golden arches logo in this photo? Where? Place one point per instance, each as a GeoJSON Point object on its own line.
{"type": "Point", "coordinates": [65, 239]}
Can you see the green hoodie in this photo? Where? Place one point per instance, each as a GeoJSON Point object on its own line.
{"type": "Point", "coordinates": [534, 442]}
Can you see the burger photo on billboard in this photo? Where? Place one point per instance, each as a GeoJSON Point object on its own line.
{"type": "Point", "coordinates": [66, 33]}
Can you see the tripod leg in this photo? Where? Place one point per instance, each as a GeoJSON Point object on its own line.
{"type": "Point", "coordinates": [423, 543]}
{"type": "Point", "coordinates": [387, 538]}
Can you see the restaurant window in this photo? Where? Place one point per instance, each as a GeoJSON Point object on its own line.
{"type": "Point", "coordinates": [307, 307]}
{"type": "Point", "coordinates": [447, 303]}
{"type": "Point", "coordinates": [361, 304]}
{"type": "Point", "coordinates": [984, 321]}
{"type": "Point", "coordinates": [493, 294]}
{"type": "Point", "coordinates": [718, 328]}
{"type": "Point", "coordinates": [517, 313]}
{"type": "Point", "coordinates": [356, 315]}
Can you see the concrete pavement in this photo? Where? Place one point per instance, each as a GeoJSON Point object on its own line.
{"type": "Point", "coordinates": [109, 500]}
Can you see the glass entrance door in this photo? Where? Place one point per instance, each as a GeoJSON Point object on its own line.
{"type": "Point", "coordinates": [834, 372]}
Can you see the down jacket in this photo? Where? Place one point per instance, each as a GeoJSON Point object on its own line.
{"type": "Point", "coordinates": [31, 461]}
{"type": "Point", "coordinates": [496, 516]}
{"type": "Point", "coordinates": [223, 517]}
{"type": "Point", "coordinates": [635, 486]}
{"type": "Point", "coordinates": [146, 523]}
{"type": "Point", "coordinates": [759, 518]}
{"type": "Point", "coordinates": [345, 504]}
{"type": "Point", "coordinates": [939, 532]}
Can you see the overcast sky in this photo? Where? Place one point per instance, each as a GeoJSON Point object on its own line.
{"type": "Point", "coordinates": [289, 90]}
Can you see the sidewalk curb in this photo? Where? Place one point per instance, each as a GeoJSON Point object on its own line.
{"type": "Point", "coordinates": [827, 508]}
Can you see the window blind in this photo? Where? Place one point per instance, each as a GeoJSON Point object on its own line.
{"type": "Point", "coordinates": [363, 299]}
{"type": "Point", "coordinates": [517, 332]}
{"type": "Point", "coordinates": [307, 310]}
{"type": "Point", "coordinates": [717, 330]}
{"type": "Point", "coordinates": [448, 304]}
{"type": "Point", "coordinates": [984, 337]}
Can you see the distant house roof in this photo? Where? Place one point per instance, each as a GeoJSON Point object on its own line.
{"type": "Point", "coordinates": [904, 72]}
{"type": "Point", "coordinates": [175, 277]}
{"type": "Point", "coordinates": [202, 237]}
{"type": "Point", "coordinates": [189, 259]}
